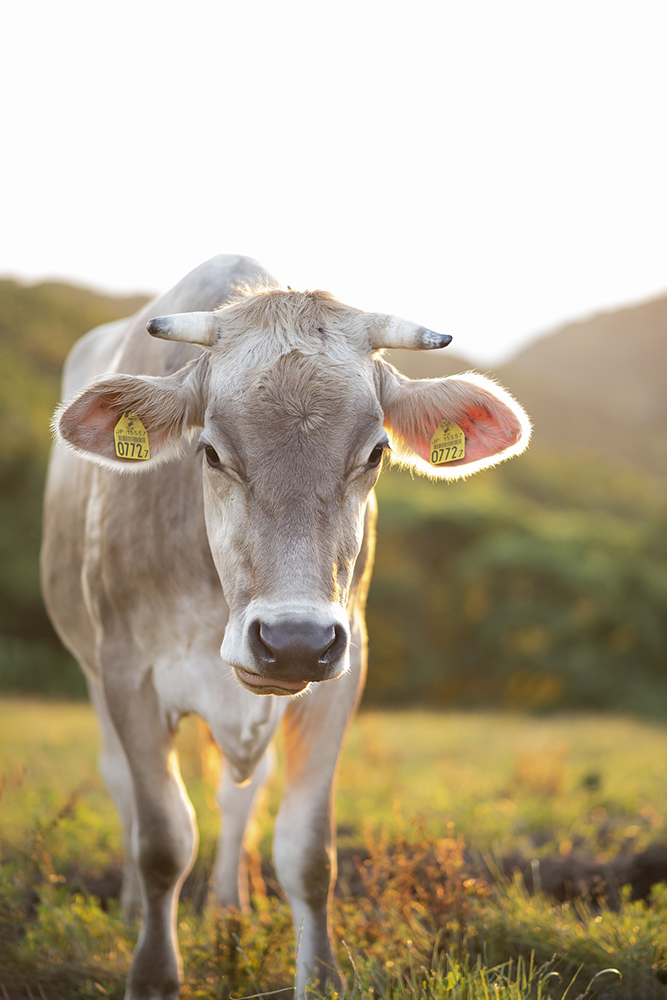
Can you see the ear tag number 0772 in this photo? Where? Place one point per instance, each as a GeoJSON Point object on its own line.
{"type": "Point", "coordinates": [448, 444]}
{"type": "Point", "coordinates": [131, 437]}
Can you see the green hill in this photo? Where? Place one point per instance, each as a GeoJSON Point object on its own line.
{"type": "Point", "coordinates": [597, 386]}
{"type": "Point", "coordinates": [540, 583]}
{"type": "Point", "coordinates": [38, 325]}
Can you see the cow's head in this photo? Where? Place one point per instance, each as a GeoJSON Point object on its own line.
{"type": "Point", "coordinates": [293, 408]}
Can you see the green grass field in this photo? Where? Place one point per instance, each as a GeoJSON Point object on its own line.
{"type": "Point", "coordinates": [425, 783]}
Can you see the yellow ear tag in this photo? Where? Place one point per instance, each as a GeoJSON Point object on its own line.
{"type": "Point", "coordinates": [131, 437]}
{"type": "Point", "coordinates": [448, 444]}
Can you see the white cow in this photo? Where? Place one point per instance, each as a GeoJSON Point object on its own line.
{"type": "Point", "coordinates": [188, 582]}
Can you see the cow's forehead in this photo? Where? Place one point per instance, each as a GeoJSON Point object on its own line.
{"type": "Point", "coordinates": [295, 399]}
{"type": "Point", "coordinates": [259, 329]}
{"type": "Point", "coordinates": [293, 369]}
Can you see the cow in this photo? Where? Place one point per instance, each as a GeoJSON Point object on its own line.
{"type": "Point", "coordinates": [208, 543]}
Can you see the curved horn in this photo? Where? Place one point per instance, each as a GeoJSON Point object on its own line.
{"type": "Point", "coordinates": [193, 328]}
{"type": "Point", "coordinates": [390, 331]}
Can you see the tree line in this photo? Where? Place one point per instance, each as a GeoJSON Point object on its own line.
{"type": "Point", "coordinates": [537, 585]}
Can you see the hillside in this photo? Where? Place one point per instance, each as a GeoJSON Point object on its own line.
{"type": "Point", "coordinates": [38, 325]}
{"type": "Point", "coordinates": [595, 385]}
{"type": "Point", "coordinates": [540, 583]}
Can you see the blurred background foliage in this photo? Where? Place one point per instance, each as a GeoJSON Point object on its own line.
{"type": "Point", "coordinates": [538, 585]}
{"type": "Point", "coordinates": [541, 583]}
{"type": "Point", "coordinates": [38, 325]}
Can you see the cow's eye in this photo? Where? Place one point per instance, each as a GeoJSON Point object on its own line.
{"type": "Point", "coordinates": [212, 457]}
{"type": "Point", "coordinates": [375, 456]}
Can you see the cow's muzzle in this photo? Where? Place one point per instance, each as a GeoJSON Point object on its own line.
{"type": "Point", "coordinates": [293, 652]}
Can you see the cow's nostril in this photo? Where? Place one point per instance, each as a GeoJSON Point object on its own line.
{"type": "Point", "coordinates": [336, 646]}
{"type": "Point", "coordinates": [259, 647]}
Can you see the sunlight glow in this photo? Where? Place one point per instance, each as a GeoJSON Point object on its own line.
{"type": "Point", "coordinates": [487, 170]}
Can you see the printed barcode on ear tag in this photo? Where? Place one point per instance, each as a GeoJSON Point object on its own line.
{"type": "Point", "coordinates": [131, 437]}
{"type": "Point", "coordinates": [448, 444]}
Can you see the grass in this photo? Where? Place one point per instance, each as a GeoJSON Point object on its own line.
{"type": "Point", "coordinates": [417, 788]}
{"type": "Point", "coordinates": [510, 781]}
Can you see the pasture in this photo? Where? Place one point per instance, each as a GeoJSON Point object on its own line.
{"type": "Point", "coordinates": [430, 803]}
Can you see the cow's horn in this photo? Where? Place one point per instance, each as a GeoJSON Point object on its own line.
{"type": "Point", "coordinates": [193, 328]}
{"type": "Point", "coordinates": [390, 331]}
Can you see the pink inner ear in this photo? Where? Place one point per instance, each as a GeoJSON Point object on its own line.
{"type": "Point", "coordinates": [89, 422]}
{"type": "Point", "coordinates": [486, 434]}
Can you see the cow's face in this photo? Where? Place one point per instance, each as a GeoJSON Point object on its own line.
{"type": "Point", "coordinates": [294, 410]}
{"type": "Point", "coordinates": [291, 452]}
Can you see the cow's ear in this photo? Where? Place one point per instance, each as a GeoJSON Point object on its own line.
{"type": "Point", "coordinates": [493, 425]}
{"type": "Point", "coordinates": [157, 417]}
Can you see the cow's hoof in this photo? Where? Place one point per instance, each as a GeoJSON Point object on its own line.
{"type": "Point", "coordinates": [136, 991]}
{"type": "Point", "coordinates": [154, 986]}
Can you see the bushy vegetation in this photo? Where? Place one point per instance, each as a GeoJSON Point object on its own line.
{"type": "Point", "coordinates": [537, 585]}
{"type": "Point", "coordinates": [38, 325]}
{"type": "Point", "coordinates": [430, 921]}
{"type": "Point", "coordinates": [390, 945]}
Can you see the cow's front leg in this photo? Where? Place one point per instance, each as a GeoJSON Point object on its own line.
{"type": "Point", "coordinates": [115, 771]}
{"type": "Point", "coordinates": [236, 803]}
{"type": "Point", "coordinates": [165, 840]}
{"type": "Point", "coordinates": [304, 844]}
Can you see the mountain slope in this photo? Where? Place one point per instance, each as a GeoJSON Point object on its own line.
{"type": "Point", "coordinates": [596, 385]}
{"type": "Point", "coordinates": [600, 384]}
{"type": "Point", "coordinates": [38, 325]}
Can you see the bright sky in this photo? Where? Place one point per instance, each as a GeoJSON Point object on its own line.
{"type": "Point", "coordinates": [486, 168]}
